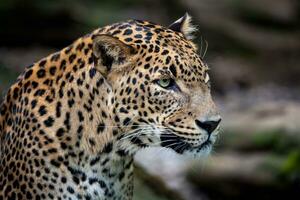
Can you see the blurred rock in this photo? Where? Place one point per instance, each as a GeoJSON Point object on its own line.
{"type": "Point", "coordinates": [240, 176]}
{"type": "Point", "coordinates": [264, 116]}
{"type": "Point", "coordinates": [171, 168]}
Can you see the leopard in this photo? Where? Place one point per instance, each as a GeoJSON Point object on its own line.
{"type": "Point", "coordinates": [72, 122]}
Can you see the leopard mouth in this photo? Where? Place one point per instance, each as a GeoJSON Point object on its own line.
{"type": "Point", "coordinates": [179, 145]}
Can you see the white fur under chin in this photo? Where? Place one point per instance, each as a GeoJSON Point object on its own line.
{"type": "Point", "coordinates": [196, 153]}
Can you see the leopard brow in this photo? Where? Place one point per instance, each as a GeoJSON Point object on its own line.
{"type": "Point", "coordinates": [166, 72]}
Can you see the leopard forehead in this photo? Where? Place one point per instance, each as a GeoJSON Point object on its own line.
{"type": "Point", "coordinates": [158, 47]}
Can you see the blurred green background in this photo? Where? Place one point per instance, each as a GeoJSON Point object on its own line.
{"type": "Point", "coordinates": [254, 56]}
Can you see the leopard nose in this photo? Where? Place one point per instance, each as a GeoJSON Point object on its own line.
{"type": "Point", "coordinates": [209, 126]}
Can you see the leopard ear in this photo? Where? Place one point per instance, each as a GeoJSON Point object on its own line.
{"type": "Point", "coordinates": [184, 26]}
{"type": "Point", "coordinates": [110, 53]}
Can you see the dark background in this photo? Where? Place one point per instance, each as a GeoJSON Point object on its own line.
{"type": "Point", "coordinates": [254, 56]}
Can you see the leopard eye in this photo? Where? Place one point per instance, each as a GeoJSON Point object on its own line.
{"type": "Point", "coordinates": [164, 82]}
{"type": "Point", "coordinates": [167, 83]}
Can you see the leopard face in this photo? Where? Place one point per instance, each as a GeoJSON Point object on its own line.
{"type": "Point", "coordinates": [161, 89]}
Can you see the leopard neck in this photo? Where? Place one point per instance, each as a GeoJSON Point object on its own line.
{"type": "Point", "coordinates": [86, 130]}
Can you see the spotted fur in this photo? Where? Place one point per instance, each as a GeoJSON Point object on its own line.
{"type": "Point", "coordinates": [71, 124]}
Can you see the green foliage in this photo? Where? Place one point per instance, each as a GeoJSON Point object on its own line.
{"type": "Point", "coordinates": [144, 192]}
{"type": "Point", "coordinates": [291, 166]}
{"type": "Point", "coordinates": [275, 140]}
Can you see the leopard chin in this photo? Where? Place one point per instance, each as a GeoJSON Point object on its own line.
{"type": "Point", "coordinates": [203, 150]}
